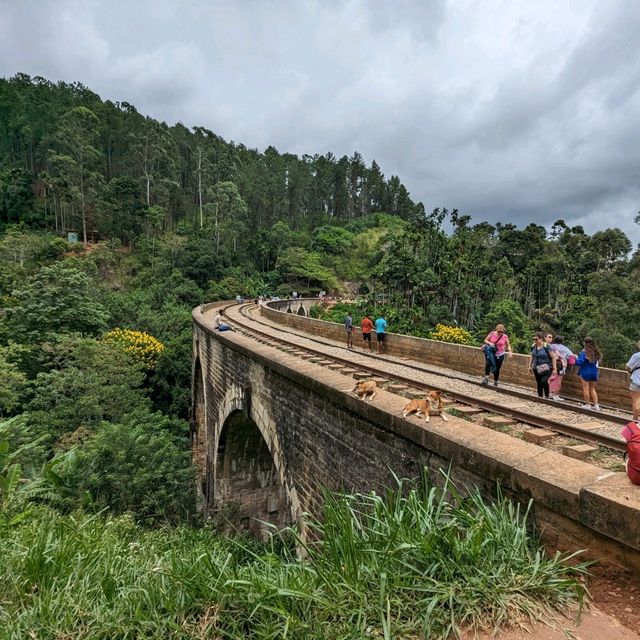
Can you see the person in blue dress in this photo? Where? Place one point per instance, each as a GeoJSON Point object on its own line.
{"type": "Point", "coordinates": [381, 329]}
{"type": "Point", "coordinates": [589, 363]}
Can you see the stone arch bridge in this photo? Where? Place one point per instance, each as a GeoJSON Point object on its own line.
{"type": "Point", "coordinates": [269, 431]}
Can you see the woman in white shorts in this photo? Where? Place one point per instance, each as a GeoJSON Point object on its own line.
{"type": "Point", "coordinates": [633, 367]}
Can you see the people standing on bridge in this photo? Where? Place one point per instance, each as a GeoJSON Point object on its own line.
{"type": "Point", "coordinates": [367, 327]}
{"type": "Point", "coordinates": [542, 363]}
{"type": "Point", "coordinates": [589, 363]}
{"type": "Point", "coordinates": [562, 358]}
{"type": "Point", "coordinates": [495, 348]}
{"type": "Point", "coordinates": [348, 327]}
{"type": "Point", "coordinates": [633, 367]}
{"type": "Point", "coordinates": [381, 330]}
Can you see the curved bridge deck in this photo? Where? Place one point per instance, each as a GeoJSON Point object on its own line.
{"type": "Point", "coordinates": [317, 433]}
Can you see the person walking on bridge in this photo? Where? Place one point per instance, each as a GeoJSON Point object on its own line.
{"type": "Point", "coordinates": [542, 363]}
{"type": "Point", "coordinates": [495, 348]}
{"type": "Point", "coordinates": [367, 327]}
{"type": "Point", "coordinates": [589, 363]}
{"type": "Point", "coordinates": [348, 327]}
{"type": "Point", "coordinates": [562, 360]}
{"type": "Point", "coordinates": [381, 329]}
{"type": "Point", "coordinates": [633, 367]}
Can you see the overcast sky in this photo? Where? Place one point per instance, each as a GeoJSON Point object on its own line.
{"type": "Point", "coordinates": [509, 110]}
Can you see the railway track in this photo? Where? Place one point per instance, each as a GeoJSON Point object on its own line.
{"type": "Point", "coordinates": [378, 367]}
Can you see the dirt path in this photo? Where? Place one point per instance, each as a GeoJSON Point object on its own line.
{"type": "Point", "coordinates": [594, 625]}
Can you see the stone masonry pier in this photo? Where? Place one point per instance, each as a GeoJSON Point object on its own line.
{"type": "Point", "coordinates": [269, 431]}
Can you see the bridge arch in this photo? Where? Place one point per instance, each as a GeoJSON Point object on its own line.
{"type": "Point", "coordinates": [247, 472]}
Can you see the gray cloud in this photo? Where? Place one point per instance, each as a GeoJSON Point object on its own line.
{"type": "Point", "coordinates": [524, 112]}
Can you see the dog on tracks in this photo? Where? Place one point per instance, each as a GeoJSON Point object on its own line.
{"type": "Point", "coordinates": [365, 388]}
{"type": "Point", "coordinates": [431, 405]}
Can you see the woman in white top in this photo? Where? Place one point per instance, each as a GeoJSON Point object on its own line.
{"type": "Point", "coordinates": [562, 353]}
{"type": "Point", "coordinates": [633, 367]}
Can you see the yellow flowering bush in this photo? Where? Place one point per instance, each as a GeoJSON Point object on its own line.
{"type": "Point", "coordinates": [144, 348]}
{"type": "Point", "coordinates": [457, 335]}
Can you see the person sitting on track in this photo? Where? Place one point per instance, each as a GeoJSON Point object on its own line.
{"type": "Point", "coordinates": [220, 325]}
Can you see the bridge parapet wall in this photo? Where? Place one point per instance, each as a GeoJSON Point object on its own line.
{"type": "Point", "coordinates": [612, 387]}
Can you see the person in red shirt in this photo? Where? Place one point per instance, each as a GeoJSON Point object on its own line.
{"type": "Point", "coordinates": [631, 433]}
{"type": "Point", "coordinates": [367, 327]}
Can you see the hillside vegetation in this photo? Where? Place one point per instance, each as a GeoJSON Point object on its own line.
{"type": "Point", "coordinates": [95, 359]}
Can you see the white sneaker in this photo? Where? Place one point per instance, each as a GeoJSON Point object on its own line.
{"type": "Point", "coordinates": [557, 398]}
{"type": "Point", "coordinates": [585, 406]}
{"type": "Point", "coordinates": [596, 407]}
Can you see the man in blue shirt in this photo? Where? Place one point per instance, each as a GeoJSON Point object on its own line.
{"type": "Point", "coordinates": [381, 327]}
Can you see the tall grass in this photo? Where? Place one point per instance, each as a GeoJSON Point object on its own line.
{"type": "Point", "coordinates": [409, 564]}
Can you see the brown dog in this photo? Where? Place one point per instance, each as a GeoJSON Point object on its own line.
{"type": "Point", "coordinates": [365, 388]}
{"type": "Point", "coordinates": [431, 404]}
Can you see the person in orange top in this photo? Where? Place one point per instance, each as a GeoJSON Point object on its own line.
{"type": "Point", "coordinates": [367, 327]}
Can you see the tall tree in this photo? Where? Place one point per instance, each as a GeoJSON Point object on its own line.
{"type": "Point", "coordinates": [76, 160]}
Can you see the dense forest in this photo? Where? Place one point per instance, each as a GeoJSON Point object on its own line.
{"type": "Point", "coordinates": [95, 351]}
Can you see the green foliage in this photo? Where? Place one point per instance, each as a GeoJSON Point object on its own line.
{"type": "Point", "coordinates": [140, 465]}
{"type": "Point", "coordinates": [171, 390]}
{"type": "Point", "coordinates": [58, 299]}
{"type": "Point", "coordinates": [236, 283]}
{"type": "Point", "coordinates": [16, 195]}
{"type": "Point", "coordinates": [75, 160]}
{"type": "Point", "coordinates": [193, 212]}
{"type": "Point", "coordinates": [124, 214]}
{"type": "Point", "coordinates": [12, 381]}
{"type": "Point", "coordinates": [407, 564]}
{"type": "Point", "coordinates": [304, 270]}
{"type": "Point", "coordinates": [92, 381]}
{"type": "Point", "coordinates": [333, 240]}
{"type": "Point", "coordinates": [9, 483]}
{"type": "Point", "coordinates": [510, 314]}
{"type": "Point", "coordinates": [27, 444]}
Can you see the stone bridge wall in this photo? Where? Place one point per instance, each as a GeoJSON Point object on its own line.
{"type": "Point", "coordinates": [319, 434]}
{"type": "Point", "coordinates": [613, 385]}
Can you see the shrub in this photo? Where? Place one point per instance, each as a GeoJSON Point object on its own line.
{"type": "Point", "coordinates": [457, 335]}
{"type": "Point", "coordinates": [409, 564]}
{"type": "Point", "coordinates": [142, 347]}
{"type": "Point", "coordinates": [140, 466]}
